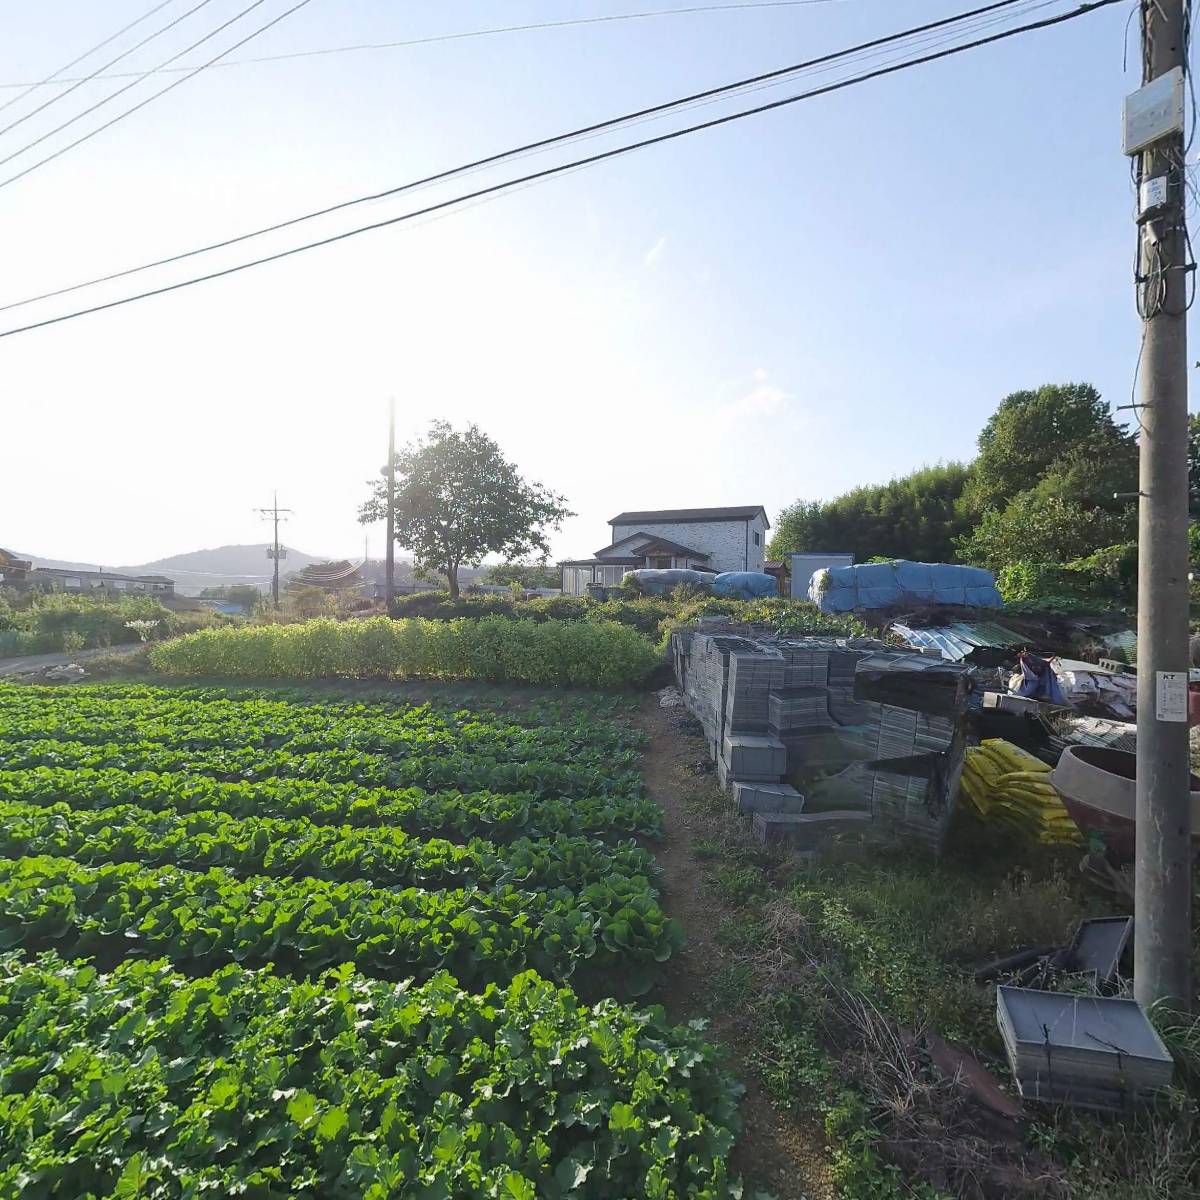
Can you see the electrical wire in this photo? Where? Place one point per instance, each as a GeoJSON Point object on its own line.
{"type": "Point", "coordinates": [33, 112]}
{"type": "Point", "coordinates": [998, 7]}
{"type": "Point", "coordinates": [153, 96]}
{"type": "Point", "coordinates": [122, 90]}
{"type": "Point", "coordinates": [603, 156]}
{"type": "Point", "coordinates": [455, 37]}
{"type": "Point", "coordinates": [1137, 368]}
{"type": "Point", "coordinates": [53, 77]}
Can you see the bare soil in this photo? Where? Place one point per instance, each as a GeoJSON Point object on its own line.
{"type": "Point", "coordinates": [782, 1152]}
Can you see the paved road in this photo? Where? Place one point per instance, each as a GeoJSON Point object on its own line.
{"type": "Point", "coordinates": [36, 662]}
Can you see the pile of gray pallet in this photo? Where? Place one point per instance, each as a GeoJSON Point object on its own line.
{"type": "Point", "coordinates": [777, 711]}
{"type": "Point", "coordinates": [1092, 1051]}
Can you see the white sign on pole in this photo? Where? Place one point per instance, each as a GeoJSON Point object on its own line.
{"type": "Point", "coordinates": [1171, 696]}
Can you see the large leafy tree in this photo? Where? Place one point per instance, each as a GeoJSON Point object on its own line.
{"type": "Point", "coordinates": [524, 574]}
{"type": "Point", "coordinates": [917, 516]}
{"type": "Point", "coordinates": [1036, 528]}
{"type": "Point", "coordinates": [458, 499]}
{"type": "Point", "coordinates": [1060, 439]}
{"type": "Point", "coordinates": [1051, 481]}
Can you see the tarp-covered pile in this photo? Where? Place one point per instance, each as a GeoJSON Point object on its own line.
{"type": "Point", "coordinates": [744, 585]}
{"type": "Point", "coordinates": [893, 584]}
{"type": "Point", "coordinates": [1003, 783]}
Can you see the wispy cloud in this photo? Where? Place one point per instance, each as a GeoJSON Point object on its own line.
{"type": "Point", "coordinates": [655, 252]}
{"type": "Point", "coordinates": [763, 400]}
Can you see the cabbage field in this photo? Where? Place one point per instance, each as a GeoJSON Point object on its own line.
{"type": "Point", "coordinates": [276, 944]}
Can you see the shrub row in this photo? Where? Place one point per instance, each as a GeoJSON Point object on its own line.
{"type": "Point", "coordinates": [34, 623]}
{"type": "Point", "coordinates": [602, 654]}
{"type": "Point", "coordinates": [653, 616]}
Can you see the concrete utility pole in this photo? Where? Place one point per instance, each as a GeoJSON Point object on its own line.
{"type": "Point", "coordinates": [273, 512]}
{"type": "Point", "coordinates": [1163, 886]}
{"type": "Point", "coordinates": [389, 593]}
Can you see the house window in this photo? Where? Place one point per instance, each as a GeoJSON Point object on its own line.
{"type": "Point", "coordinates": [757, 538]}
{"type": "Point", "coordinates": [661, 564]}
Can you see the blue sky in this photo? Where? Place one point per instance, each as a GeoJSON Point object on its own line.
{"type": "Point", "coordinates": [827, 295]}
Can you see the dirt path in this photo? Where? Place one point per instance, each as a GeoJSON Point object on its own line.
{"type": "Point", "coordinates": [778, 1152]}
{"type": "Point", "coordinates": [39, 662]}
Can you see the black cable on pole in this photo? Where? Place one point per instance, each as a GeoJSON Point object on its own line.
{"type": "Point", "coordinates": [527, 148]}
{"type": "Point", "coordinates": [112, 37]}
{"type": "Point", "coordinates": [432, 39]}
{"type": "Point", "coordinates": [591, 160]}
{"type": "Point", "coordinates": [33, 112]}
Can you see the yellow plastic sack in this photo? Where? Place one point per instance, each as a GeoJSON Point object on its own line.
{"type": "Point", "coordinates": [1036, 778]}
{"type": "Point", "coordinates": [1008, 786]}
{"type": "Point", "coordinates": [1022, 760]}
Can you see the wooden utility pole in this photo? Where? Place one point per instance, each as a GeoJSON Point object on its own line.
{"type": "Point", "coordinates": [273, 512]}
{"type": "Point", "coordinates": [389, 593]}
{"type": "Point", "coordinates": [1163, 886]}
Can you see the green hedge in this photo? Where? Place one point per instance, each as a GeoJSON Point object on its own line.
{"type": "Point", "coordinates": [654, 616]}
{"type": "Point", "coordinates": [644, 614]}
{"type": "Point", "coordinates": [33, 623]}
{"type": "Point", "coordinates": [598, 654]}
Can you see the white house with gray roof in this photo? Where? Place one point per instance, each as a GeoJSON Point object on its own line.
{"type": "Point", "coordinates": [699, 539]}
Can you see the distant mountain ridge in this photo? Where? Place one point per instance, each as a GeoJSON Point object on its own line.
{"type": "Point", "coordinates": [217, 567]}
{"type": "Point", "coordinates": [224, 566]}
{"type": "Point", "coordinates": [249, 563]}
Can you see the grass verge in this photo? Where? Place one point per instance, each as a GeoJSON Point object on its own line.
{"type": "Point", "coordinates": [845, 969]}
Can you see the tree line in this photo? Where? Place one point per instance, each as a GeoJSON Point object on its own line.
{"type": "Point", "coordinates": [1048, 503]}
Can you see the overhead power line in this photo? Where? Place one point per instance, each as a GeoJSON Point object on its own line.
{"type": "Point", "coordinates": [53, 77]}
{"type": "Point", "coordinates": [997, 6]}
{"type": "Point", "coordinates": [33, 112]}
{"type": "Point", "coordinates": [591, 160]}
{"type": "Point", "coordinates": [492, 31]}
{"type": "Point", "coordinates": [149, 99]}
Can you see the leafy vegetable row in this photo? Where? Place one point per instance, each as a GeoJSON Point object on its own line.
{"type": "Point", "coordinates": [149, 1084]}
{"type": "Point", "coordinates": [470, 772]}
{"type": "Point", "coordinates": [499, 817]}
{"type": "Point", "coordinates": [298, 848]}
{"type": "Point", "coordinates": [613, 930]}
{"type": "Point", "coordinates": [299, 732]}
{"type": "Point", "coordinates": [573, 710]}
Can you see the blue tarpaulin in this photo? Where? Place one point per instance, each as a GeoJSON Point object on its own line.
{"type": "Point", "coordinates": [892, 584]}
{"type": "Point", "coordinates": [744, 585]}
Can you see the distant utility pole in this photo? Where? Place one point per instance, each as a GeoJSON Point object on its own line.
{"type": "Point", "coordinates": [1154, 138]}
{"type": "Point", "coordinates": [389, 592]}
{"type": "Point", "coordinates": [275, 552]}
